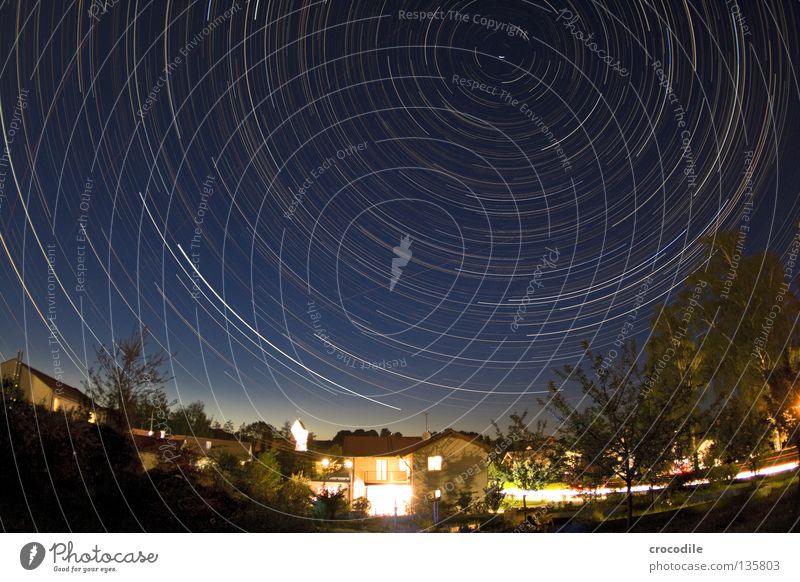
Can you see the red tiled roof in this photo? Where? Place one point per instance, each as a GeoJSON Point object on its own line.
{"type": "Point", "coordinates": [375, 446]}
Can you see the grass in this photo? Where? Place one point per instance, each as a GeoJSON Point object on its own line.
{"type": "Point", "coordinates": [764, 505]}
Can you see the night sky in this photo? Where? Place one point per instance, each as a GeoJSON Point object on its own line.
{"type": "Point", "coordinates": [240, 177]}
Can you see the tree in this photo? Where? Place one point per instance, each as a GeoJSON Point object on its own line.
{"type": "Point", "coordinates": [530, 475]}
{"type": "Point", "coordinates": [673, 372]}
{"type": "Point", "coordinates": [191, 419]}
{"type": "Point", "coordinates": [10, 391]}
{"type": "Point", "coordinates": [153, 409]}
{"type": "Point", "coordinates": [739, 312]}
{"type": "Point", "coordinates": [361, 506]}
{"type": "Point", "coordinates": [125, 378]}
{"type": "Point", "coordinates": [329, 503]}
{"type": "Point", "coordinates": [264, 476]}
{"type": "Point", "coordinates": [531, 462]}
{"type": "Point", "coordinates": [616, 429]}
{"type": "Point", "coordinates": [259, 431]}
{"type": "Point", "coordinates": [295, 496]}
{"type": "Point", "coordinates": [493, 496]}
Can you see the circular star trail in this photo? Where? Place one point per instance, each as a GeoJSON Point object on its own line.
{"type": "Point", "coordinates": [360, 212]}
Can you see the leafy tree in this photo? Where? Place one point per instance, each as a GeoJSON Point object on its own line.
{"type": "Point", "coordinates": [493, 496]}
{"type": "Point", "coordinates": [328, 503]}
{"type": "Point", "coordinates": [153, 410]}
{"type": "Point", "coordinates": [673, 372]}
{"type": "Point", "coordinates": [531, 463]}
{"type": "Point", "coordinates": [616, 429]}
{"type": "Point", "coordinates": [530, 475]}
{"type": "Point", "coordinates": [361, 506]}
{"type": "Point", "coordinates": [264, 476]}
{"type": "Point", "coordinates": [518, 435]}
{"type": "Point", "coordinates": [125, 378]}
{"type": "Point", "coordinates": [295, 496]}
{"type": "Point", "coordinates": [191, 419]}
{"type": "Point", "coordinates": [258, 431]}
{"type": "Point", "coordinates": [740, 313]}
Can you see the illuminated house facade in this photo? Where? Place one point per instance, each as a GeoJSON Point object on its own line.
{"type": "Point", "coordinates": [397, 473]}
{"type": "Point", "coordinates": [44, 390]}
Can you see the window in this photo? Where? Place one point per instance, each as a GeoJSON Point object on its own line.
{"type": "Point", "coordinates": [56, 404]}
{"type": "Point", "coordinates": [435, 463]}
{"type": "Point", "coordinates": [208, 445]}
{"type": "Point", "coordinates": [381, 469]}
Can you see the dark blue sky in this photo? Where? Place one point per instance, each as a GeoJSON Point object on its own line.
{"type": "Point", "coordinates": [543, 160]}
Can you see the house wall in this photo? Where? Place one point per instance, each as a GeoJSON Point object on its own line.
{"type": "Point", "coordinates": [386, 495]}
{"type": "Point", "coordinates": [365, 468]}
{"type": "Point", "coordinates": [464, 468]}
{"type": "Point", "coordinates": [35, 390]}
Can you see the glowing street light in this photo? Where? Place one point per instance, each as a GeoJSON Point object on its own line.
{"type": "Point", "coordinates": [325, 463]}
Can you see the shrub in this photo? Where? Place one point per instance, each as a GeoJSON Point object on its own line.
{"type": "Point", "coordinates": [361, 506]}
{"type": "Point", "coordinates": [722, 473]}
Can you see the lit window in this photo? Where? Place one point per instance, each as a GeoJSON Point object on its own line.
{"type": "Point", "coordinates": [208, 445]}
{"type": "Point", "coordinates": [403, 465]}
{"type": "Point", "coordinates": [437, 494]}
{"type": "Point", "coordinates": [348, 464]}
{"type": "Point", "coordinates": [435, 463]}
{"type": "Point", "coordinates": [381, 469]}
{"type": "Point", "coordinates": [56, 404]}
{"type": "Point", "coordinates": [92, 417]}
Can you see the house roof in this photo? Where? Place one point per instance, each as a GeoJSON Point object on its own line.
{"type": "Point", "coordinates": [375, 446]}
{"type": "Point", "coordinates": [197, 444]}
{"type": "Point", "coordinates": [449, 432]}
{"type": "Point", "coordinates": [148, 444]}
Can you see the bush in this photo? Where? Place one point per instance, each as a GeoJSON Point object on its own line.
{"type": "Point", "coordinates": [328, 504]}
{"type": "Point", "coordinates": [722, 473]}
{"type": "Point", "coordinates": [493, 496]}
{"type": "Point", "coordinates": [361, 506]}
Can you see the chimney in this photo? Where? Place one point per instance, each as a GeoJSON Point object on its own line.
{"type": "Point", "coordinates": [18, 368]}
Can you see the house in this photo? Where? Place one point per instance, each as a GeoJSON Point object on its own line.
{"type": "Point", "coordinates": [155, 447]}
{"type": "Point", "coordinates": [51, 393]}
{"type": "Point", "coordinates": [396, 473]}
{"type": "Point", "coordinates": [213, 447]}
